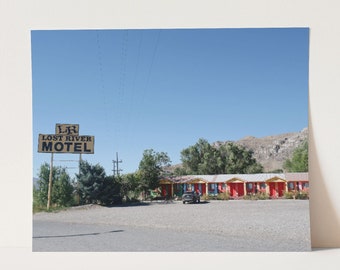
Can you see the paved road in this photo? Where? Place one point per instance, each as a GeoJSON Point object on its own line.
{"type": "Point", "coordinates": [90, 237]}
{"type": "Point", "coordinates": [213, 226]}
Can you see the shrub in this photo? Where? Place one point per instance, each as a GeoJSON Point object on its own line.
{"type": "Point", "coordinates": [294, 194]}
{"type": "Point", "coordinates": [205, 197]}
{"type": "Point", "coordinates": [208, 197]}
{"type": "Point", "coordinates": [37, 205]}
{"type": "Point", "coordinates": [289, 195]}
{"type": "Point", "coordinates": [262, 196]}
{"type": "Point", "coordinates": [223, 196]}
{"type": "Point", "coordinates": [250, 196]}
{"type": "Point", "coordinates": [303, 195]}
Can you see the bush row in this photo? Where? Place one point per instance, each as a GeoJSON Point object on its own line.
{"type": "Point", "coordinates": [296, 195]}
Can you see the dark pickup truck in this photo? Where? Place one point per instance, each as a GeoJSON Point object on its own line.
{"type": "Point", "coordinates": [191, 196]}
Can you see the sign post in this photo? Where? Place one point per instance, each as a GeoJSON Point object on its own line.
{"type": "Point", "coordinates": [50, 184]}
{"type": "Point", "coordinates": [65, 140]}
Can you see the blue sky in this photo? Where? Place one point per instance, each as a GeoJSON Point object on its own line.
{"type": "Point", "coordinates": [163, 89]}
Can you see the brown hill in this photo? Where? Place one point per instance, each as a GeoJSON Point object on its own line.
{"type": "Point", "coordinates": [270, 151]}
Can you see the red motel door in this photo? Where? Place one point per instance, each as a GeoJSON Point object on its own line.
{"type": "Point", "coordinates": [272, 191]}
{"type": "Point", "coordinates": [281, 188]}
{"type": "Point", "coordinates": [240, 189]}
{"type": "Point", "coordinates": [204, 190]}
{"type": "Point", "coordinates": [236, 189]}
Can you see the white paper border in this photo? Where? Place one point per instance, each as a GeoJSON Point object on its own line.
{"type": "Point", "coordinates": [19, 17]}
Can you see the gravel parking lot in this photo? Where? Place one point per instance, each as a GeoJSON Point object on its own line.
{"type": "Point", "coordinates": [269, 225]}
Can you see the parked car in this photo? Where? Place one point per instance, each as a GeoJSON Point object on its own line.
{"type": "Point", "coordinates": [191, 196]}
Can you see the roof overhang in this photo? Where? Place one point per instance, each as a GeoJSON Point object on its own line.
{"type": "Point", "coordinates": [276, 180]}
{"type": "Point", "coordinates": [235, 180]}
{"type": "Point", "coordinates": [197, 181]}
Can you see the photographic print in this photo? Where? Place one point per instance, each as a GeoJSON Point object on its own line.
{"type": "Point", "coordinates": [170, 140]}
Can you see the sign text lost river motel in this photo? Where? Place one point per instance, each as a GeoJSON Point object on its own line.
{"type": "Point", "coordinates": [66, 140]}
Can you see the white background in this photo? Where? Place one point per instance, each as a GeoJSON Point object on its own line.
{"type": "Point", "coordinates": [18, 18]}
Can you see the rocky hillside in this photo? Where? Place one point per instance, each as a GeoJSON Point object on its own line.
{"type": "Point", "coordinates": [272, 151]}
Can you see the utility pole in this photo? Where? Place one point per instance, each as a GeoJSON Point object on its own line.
{"type": "Point", "coordinates": [78, 193]}
{"type": "Point", "coordinates": [116, 170]}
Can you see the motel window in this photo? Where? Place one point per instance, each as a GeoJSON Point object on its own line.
{"type": "Point", "coordinates": [305, 185]}
{"type": "Point", "coordinates": [290, 185]}
{"type": "Point", "coordinates": [263, 185]}
{"type": "Point", "coordinates": [249, 186]}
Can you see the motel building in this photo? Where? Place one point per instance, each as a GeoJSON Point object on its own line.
{"type": "Point", "coordinates": [237, 185]}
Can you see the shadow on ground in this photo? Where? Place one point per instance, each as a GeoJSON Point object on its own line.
{"type": "Point", "coordinates": [75, 235]}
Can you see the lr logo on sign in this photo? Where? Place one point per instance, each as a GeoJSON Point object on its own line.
{"type": "Point", "coordinates": [67, 129]}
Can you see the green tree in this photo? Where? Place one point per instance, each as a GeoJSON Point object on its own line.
{"type": "Point", "coordinates": [130, 186]}
{"type": "Point", "coordinates": [111, 191]}
{"type": "Point", "coordinates": [180, 171]}
{"type": "Point", "coordinates": [62, 188]}
{"type": "Point", "coordinates": [200, 158]}
{"type": "Point", "coordinates": [203, 158]}
{"type": "Point", "coordinates": [42, 189]}
{"type": "Point", "coordinates": [237, 159]}
{"type": "Point", "coordinates": [299, 160]}
{"type": "Point", "coordinates": [95, 186]}
{"type": "Point", "coordinates": [151, 168]}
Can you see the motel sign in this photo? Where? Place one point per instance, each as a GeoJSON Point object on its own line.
{"type": "Point", "coordinates": [66, 140]}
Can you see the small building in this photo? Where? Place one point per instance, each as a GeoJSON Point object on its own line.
{"type": "Point", "coordinates": [237, 185]}
{"type": "Point", "coordinates": [297, 181]}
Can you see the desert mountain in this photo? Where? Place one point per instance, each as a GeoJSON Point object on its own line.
{"type": "Point", "coordinates": [270, 151]}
